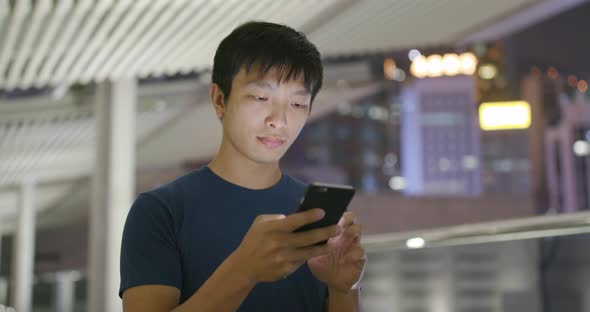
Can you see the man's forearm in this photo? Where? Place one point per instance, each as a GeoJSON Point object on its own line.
{"type": "Point", "coordinates": [224, 291]}
{"type": "Point", "coordinates": [343, 302]}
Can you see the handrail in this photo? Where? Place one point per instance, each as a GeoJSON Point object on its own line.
{"type": "Point", "coordinates": [485, 232]}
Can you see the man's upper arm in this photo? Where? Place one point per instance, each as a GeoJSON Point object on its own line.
{"type": "Point", "coordinates": [151, 298]}
{"type": "Point", "coordinates": [149, 250]}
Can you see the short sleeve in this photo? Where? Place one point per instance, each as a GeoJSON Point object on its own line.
{"type": "Point", "coordinates": [149, 248]}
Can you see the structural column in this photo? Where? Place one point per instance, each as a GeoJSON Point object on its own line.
{"type": "Point", "coordinates": [64, 291]}
{"type": "Point", "coordinates": [3, 281]}
{"type": "Point", "coordinates": [113, 189]}
{"type": "Point", "coordinates": [23, 254]}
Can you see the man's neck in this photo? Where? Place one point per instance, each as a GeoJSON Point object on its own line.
{"type": "Point", "coordinates": [245, 173]}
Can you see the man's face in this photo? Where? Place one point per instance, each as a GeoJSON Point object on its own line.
{"type": "Point", "coordinates": [262, 117]}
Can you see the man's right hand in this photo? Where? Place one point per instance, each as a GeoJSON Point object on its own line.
{"type": "Point", "coordinates": [271, 251]}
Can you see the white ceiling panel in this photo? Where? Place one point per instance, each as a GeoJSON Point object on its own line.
{"type": "Point", "coordinates": [386, 25]}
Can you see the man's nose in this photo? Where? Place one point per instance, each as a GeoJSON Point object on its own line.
{"type": "Point", "coordinates": [277, 118]}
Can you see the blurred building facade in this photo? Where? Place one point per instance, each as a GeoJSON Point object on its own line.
{"type": "Point", "coordinates": [440, 137]}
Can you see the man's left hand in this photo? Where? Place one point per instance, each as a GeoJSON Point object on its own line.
{"type": "Point", "coordinates": [342, 268]}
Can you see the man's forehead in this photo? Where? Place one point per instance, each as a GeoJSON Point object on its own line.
{"type": "Point", "coordinates": [271, 78]}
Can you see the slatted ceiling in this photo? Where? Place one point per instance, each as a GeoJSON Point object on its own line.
{"type": "Point", "coordinates": [25, 151]}
{"type": "Point", "coordinates": [87, 42]}
{"type": "Point", "coordinates": [13, 25]}
{"type": "Point", "coordinates": [293, 13]}
{"type": "Point", "coordinates": [64, 44]}
{"type": "Point", "coordinates": [31, 32]}
{"type": "Point", "coordinates": [61, 42]}
{"type": "Point", "coordinates": [58, 42]}
{"type": "Point", "coordinates": [199, 51]}
{"type": "Point", "coordinates": [207, 26]}
{"type": "Point", "coordinates": [175, 35]}
{"type": "Point", "coordinates": [125, 46]}
{"type": "Point", "coordinates": [114, 30]}
{"type": "Point", "coordinates": [54, 21]}
{"type": "Point", "coordinates": [95, 40]}
{"type": "Point", "coordinates": [223, 26]}
{"type": "Point", "coordinates": [104, 44]}
{"type": "Point", "coordinates": [146, 44]}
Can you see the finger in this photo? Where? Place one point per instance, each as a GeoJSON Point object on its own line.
{"type": "Point", "coordinates": [354, 255]}
{"type": "Point", "coordinates": [350, 234]}
{"type": "Point", "coordinates": [361, 262]}
{"type": "Point", "coordinates": [307, 238]}
{"type": "Point", "coordinates": [353, 231]}
{"type": "Point", "coordinates": [306, 253]}
{"type": "Point", "coordinates": [269, 222]}
{"type": "Point", "coordinates": [297, 220]}
{"type": "Point", "coordinates": [269, 217]}
{"type": "Point", "coordinates": [357, 240]}
{"type": "Point", "coordinates": [348, 218]}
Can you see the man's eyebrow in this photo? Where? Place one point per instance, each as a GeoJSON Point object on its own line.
{"type": "Point", "coordinates": [302, 92]}
{"type": "Point", "coordinates": [265, 85]}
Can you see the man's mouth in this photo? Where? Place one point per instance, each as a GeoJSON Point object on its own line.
{"type": "Point", "coordinates": [271, 142]}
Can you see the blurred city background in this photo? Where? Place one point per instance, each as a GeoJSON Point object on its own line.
{"type": "Point", "coordinates": [464, 125]}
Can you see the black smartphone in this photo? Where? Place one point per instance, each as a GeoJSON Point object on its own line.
{"type": "Point", "coordinates": [332, 198]}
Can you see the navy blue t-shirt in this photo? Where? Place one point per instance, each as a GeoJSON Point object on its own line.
{"type": "Point", "coordinates": [179, 233]}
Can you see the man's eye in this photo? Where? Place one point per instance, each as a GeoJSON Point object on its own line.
{"type": "Point", "coordinates": [299, 106]}
{"type": "Point", "coordinates": [259, 98]}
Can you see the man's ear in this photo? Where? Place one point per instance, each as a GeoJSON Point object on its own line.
{"type": "Point", "coordinates": [217, 99]}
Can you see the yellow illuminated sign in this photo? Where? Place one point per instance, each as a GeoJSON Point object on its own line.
{"type": "Point", "coordinates": [504, 115]}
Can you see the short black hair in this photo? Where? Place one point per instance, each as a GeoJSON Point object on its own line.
{"type": "Point", "coordinates": [267, 45]}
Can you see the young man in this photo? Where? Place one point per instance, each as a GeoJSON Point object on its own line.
{"type": "Point", "coordinates": [221, 238]}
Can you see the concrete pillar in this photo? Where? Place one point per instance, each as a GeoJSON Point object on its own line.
{"type": "Point", "coordinates": [3, 291]}
{"type": "Point", "coordinates": [3, 282]}
{"type": "Point", "coordinates": [24, 250]}
{"type": "Point", "coordinates": [64, 292]}
{"type": "Point", "coordinates": [113, 189]}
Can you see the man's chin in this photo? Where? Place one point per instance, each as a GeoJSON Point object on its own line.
{"type": "Point", "coordinates": [268, 159]}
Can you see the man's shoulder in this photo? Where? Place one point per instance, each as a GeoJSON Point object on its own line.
{"type": "Point", "coordinates": [167, 201]}
{"type": "Point", "coordinates": [170, 192]}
